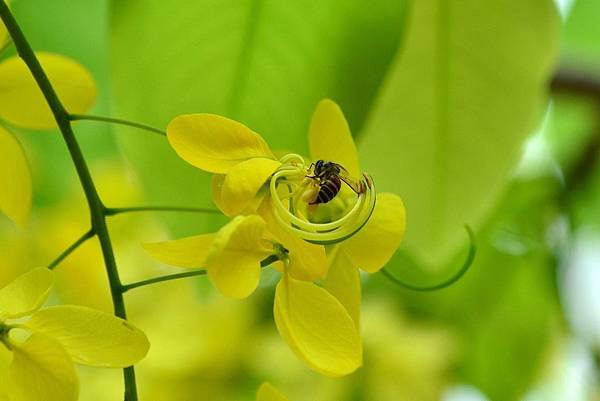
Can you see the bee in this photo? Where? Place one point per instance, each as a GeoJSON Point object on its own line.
{"type": "Point", "coordinates": [330, 176]}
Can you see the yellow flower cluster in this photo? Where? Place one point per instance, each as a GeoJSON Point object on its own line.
{"type": "Point", "coordinates": [275, 215]}
{"type": "Point", "coordinates": [45, 346]}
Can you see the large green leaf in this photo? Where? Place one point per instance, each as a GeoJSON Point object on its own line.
{"type": "Point", "coordinates": [505, 308]}
{"type": "Point", "coordinates": [464, 92]}
{"type": "Point", "coordinates": [580, 37]}
{"type": "Point", "coordinates": [263, 62]}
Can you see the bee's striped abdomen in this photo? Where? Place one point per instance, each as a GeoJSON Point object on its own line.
{"type": "Point", "coordinates": [329, 189]}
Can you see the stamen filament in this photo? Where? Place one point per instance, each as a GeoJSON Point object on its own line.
{"type": "Point", "coordinates": [292, 219]}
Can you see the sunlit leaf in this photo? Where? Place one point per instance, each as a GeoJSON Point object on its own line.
{"type": "Point", "coordinates": [15, 179]}
{"type": "Point", "coordinates": [580, 38]}
{"type": "Point", "coordinates": [507, 301]}
{"type": "Point", "coordinates": [463, 93]}
{"type": "Point", "coordinates": [264, 63]}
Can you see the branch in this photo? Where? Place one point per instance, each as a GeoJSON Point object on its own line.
{"type": "Point", "coordinates": [112, 211]}
{"type": "Point", "coordinates": [94, 203]}
{"type": "Point", "coordinates": [119, 121]}
{"type": "Point", "coordinates": [89, 234]}
{"type": "Point", "coordinates": [576, 81]}
{"type": "Point", "coordinates": [192, 273]}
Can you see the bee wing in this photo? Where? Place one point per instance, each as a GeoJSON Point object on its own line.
{"type": "Point", "coordinates": [345, 176]}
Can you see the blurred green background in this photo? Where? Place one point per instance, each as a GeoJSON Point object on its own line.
{"type": "Point", "coordinates": [484, 113]}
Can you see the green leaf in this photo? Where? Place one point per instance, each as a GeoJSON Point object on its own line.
{"type": "Point", "coordinates": [464, 92]}
{"type": "Point", "coordinates": [505, 308]}
{"type": "Point", "coordinates": [571, 127]}
{"type": "Point", "coordinates": [262, 62]}
{"type": "Point", "coordinates": [581, 32]}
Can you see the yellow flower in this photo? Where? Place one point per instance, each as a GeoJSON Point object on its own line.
{"type": "Point", "coordinates": [371, 248]}
{"type": "Point", "coordinates": [313, 322]}
{"type": "Point", "coordinates": [365, 234]}
{"type": "Point", "coordinates": [249, 178]}
{"type": "Point", "coordinates": [278, 217]}
{"type": "Point", "coordinates": [23, 105]}
{"type": "Point", "coordinates": [45, 346]}
{"type": "Point", "coordinates": [266, 392]}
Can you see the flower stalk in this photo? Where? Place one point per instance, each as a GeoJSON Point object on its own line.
{"type": "Point", "coordinates": [119, 121]}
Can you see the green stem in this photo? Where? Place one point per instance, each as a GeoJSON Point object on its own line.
{"type": "Point", "coordinates": [97, 210]}
{"type": "Point", "coordinates": [120, 210]}
{"type": "Point", "coordinates": [169, 277]}
{"type": "Point", "coordinates": [119, 121]}
{"type": "Point", "coordinates": [192, 273]}
{"type": "Point", "coordinates": [446, 283]}
{"type": "Point", "coordinates": [89, 234]}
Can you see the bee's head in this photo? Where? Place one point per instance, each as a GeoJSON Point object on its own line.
{"type": "Point", "coordinates": [319, 166]}
{"type": "Point", "coordinates": [323, 165]}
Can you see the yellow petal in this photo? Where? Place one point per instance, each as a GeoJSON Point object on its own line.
{"type": "Point", "coordinates": [243, 181]}
{"type": "Point", "coordinates": [214, 143]}
{"type": "Point", "coordinates": [26, 293]}
{"type": "Point", "coordinates": [216, 187]}
{"type": "Point", "coordinates": [317, 327]}
{"type": "Point", "coordinates": [42, 370]}
{"type": "Point", "coordinates": [15, 179]}
{"type": "Point", "coordinates": [308, 261]}
{"type": "Point", "coordinates": [373, 246]}
{"type": "Point", "coordinates": [330, 139]}
{"type": "Point", "coordinates": [267, 392]}
{"type": "Point", "coordinates": [92, 337]}
{"type": "Point", "coordinates": [233, 262]}
{"type": "Point", "coordinates": [21, 101]}
{"type": "Point", "coordinates": [187, 252]}
{"type": "Point", "coordinates": [343, 282]}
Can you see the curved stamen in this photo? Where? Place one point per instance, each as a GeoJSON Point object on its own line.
{"type": "Point", "coordinates": [291, 157]}
{"type": "Point", "coordinates": [315, 227]}
{"type": "Point", "coordinates": [293, 173]}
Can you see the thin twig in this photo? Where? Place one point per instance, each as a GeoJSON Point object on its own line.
{"type": "Point", "coordinates": [446, 283]}
{"type": "Point", "coordinates": [176, 276]}
{"type": "Point", "coordinates": [577, 81]}
{"type": "Point", "coordinates": [112, 211]}
{"type": "Point", "coordinates": [118, 121]}
{"type": "Point", "coordinates": [89, 234]}
{"type": "Point", "coordinates": [192, 273]}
